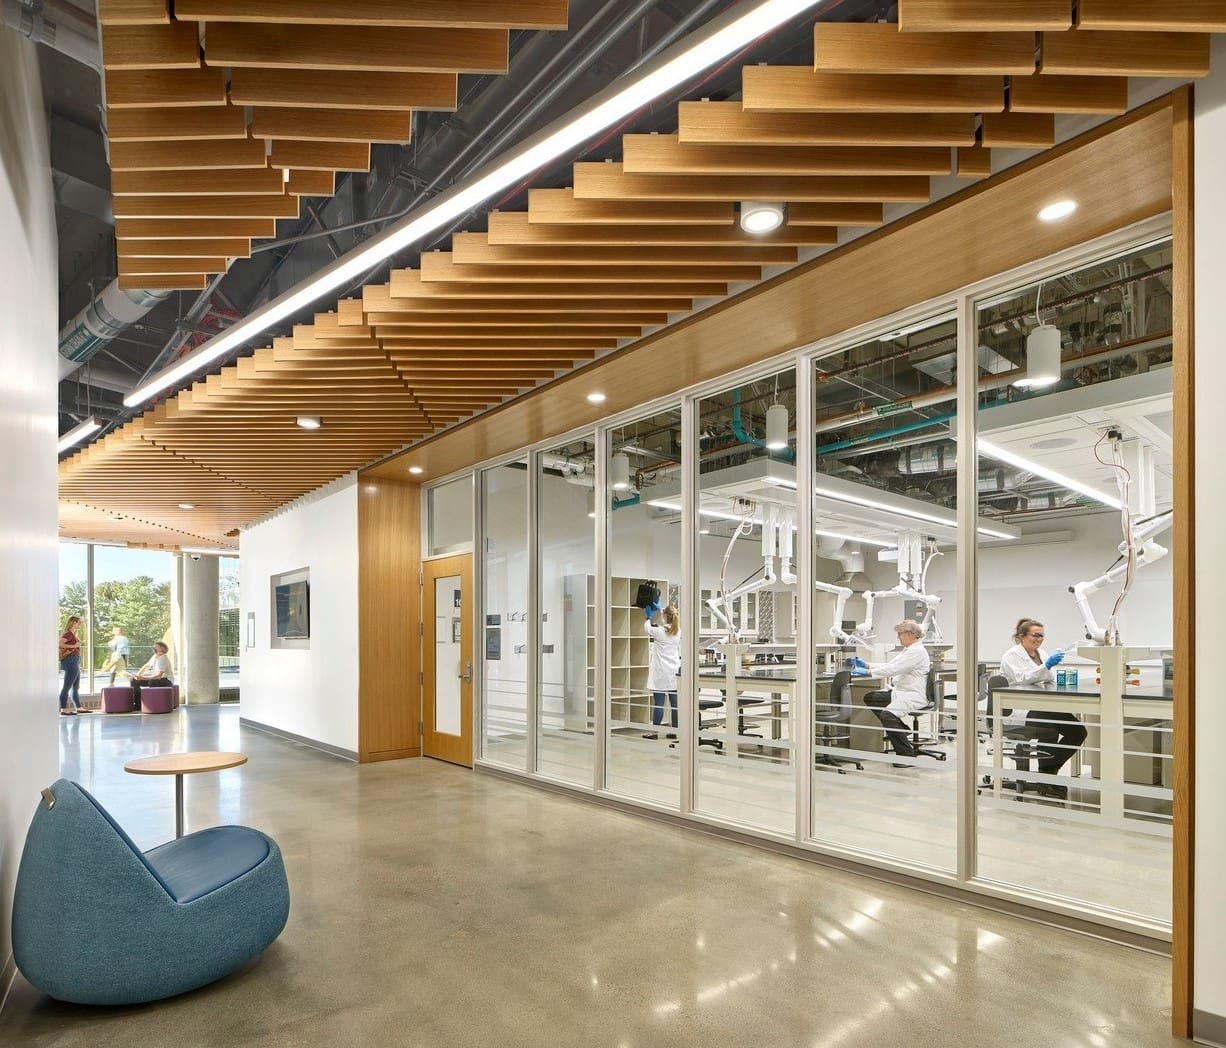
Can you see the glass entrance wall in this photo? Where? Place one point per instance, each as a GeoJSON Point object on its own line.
{"type": "Point", "coordinates": [746, 578]}
{"type": "Point", "coordinates": [644, 654]}
{"type": "Point", "coordinates": [504, 611]}
{"type": "Point", "coordinates": [907, 526]}
{"type": "Point", "coordinates": [566, 537]}
{"type": "Point", "coordinates": [1075, 450]}
{"type": "Point", "coordinates": [885, 768]}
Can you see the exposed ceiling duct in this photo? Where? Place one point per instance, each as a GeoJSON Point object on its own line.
{"type": "Point", "coordinates": [57, 24]}
{"type": "Point", "coordinates": [102, 320]}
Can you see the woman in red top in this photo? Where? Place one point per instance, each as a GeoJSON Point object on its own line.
{"type": "Point", "coordinates": [70, 663]}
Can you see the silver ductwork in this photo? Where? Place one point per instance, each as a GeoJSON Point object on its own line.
{"type": "Point", "coordinates": [849, 557]}
{"type": "Point", "coordinates": [58, 25]}
{"type": "Point", "coordinates": [101, 321]}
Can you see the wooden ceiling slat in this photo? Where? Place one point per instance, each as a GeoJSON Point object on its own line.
{"type": "Point", "coordinates": [232, 247]}
{"type": "Point", "coordinates": [1047, 93]}
{"type": "Point", "coordinates": [321, 156]}
{"type": "Point", "coordinates": [474, 248]}
{"type": "Point", "coordinates": [468, 14]}
{"type": "Point", "coordinates": [954, 16]}
{"type": "Point", "coordinates": [344, 89]}
{"type": "Point", "coordinates": [440, 266]}
{"type": "Point", "coordinates": [181, 282]}
{"type": "Point", "coordinates": [609, 181]}
{"type": "Point", "coordinates": [562, 206]}
{"type": "Point", "coordinates": [782, 89]}
{"type": "Point", "coordinates": [718, 123]}
{"type": "Point", "coordinates": [155, 88]}
{"type": "Point", "coordinates": [133, 12]}
{"type": "Point", "coordinates": [509, 341]}
{"type": "Point", "coordinates": [246, 153]}
{"type": "Point", "coordinates": [206, 207]}
{"type": "Point", "coordinates": [222, 182]}
{"type": "Point", "coordinates": [311, 183]}
{"type": "Point", "coordinates": [1121, 53]}
{"type": "Point", "coordinates": [1188, 16]}
{"type": "Point", "coordinates": [544, 332]}
{"type": "Point", "coordinates": [849, 214]}
{"type": "Point", "coordinates": [878, 47]}
{"type": "Point", "coordinates": [387, 49]}
{"type": "Point", "coordinates": [1018, 130]}
{"type": "Point", "coordinates": [331, 125]}
{"type": "Point", "coordinates": [389, 323]}
{"type": "Point", "coordinates": [973, 163]}
{"type": "Point", "coordinates": [379, 298]}
{"type": "Point", "coordinates": [159, 266]}
{"type": "Point", "coordinates": [193, 228]}
{"type": "Point", "coordinates": [666, 154]}
{"type": "Point", "coordinates": [172, 125]}
{"type": "Point", "coordinates": [407, 289]}
{"type": "Point", "coordinates": [512, 228]}
{"type": "Point", "coordinates": [175, 45]}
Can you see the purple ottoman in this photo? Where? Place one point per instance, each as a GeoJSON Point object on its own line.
{"type": "Point", "coordinates": [157, 700]}
{"type": "Point", "coordinates": [175, 689]}
{"type": "Point", "coordinates": [116, 700]}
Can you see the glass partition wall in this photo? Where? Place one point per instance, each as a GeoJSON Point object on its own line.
{"type": "Point", "coordinates": [1075, 617]}
{"type": "Point", "coordinates": [868, 617]}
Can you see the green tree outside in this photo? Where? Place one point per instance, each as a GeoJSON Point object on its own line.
{"type": "Point", "coordinates": [139, 605]}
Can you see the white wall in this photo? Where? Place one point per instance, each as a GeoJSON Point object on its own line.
{"type": "Point", "coordinates": [312, 693]}
{"type": "Point", "coordinates": [1209, 994]}
{"type": "Point", "coordinates": [29, 324]}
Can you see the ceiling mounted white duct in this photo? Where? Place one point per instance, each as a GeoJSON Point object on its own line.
{"type": "Point", "coordinates": [104, 319]}
{"type": "Point", "coordinates": [777, 424]}
{"type": "Point", "coordinates": [1042, 358]}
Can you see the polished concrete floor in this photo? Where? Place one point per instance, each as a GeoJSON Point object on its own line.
{"type": "Point", "coordinates": [433, 907]}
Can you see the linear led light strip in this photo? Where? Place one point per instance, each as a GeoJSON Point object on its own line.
{"type": "Point", "coordinates": [1001, 455]}
{"type": "Point", "coordinates": [78, 433]}
{"type": "Point", "coordinates": [723, 37]}
{"type": "Point", "coordinates": [716, 514]}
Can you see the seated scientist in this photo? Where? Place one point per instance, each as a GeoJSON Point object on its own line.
{"type": "Point", "coordinates": [909, 671]}
{"type": "Point", "coordinates": [1059, 734]}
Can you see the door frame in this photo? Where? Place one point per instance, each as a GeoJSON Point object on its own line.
{"type": "Point", "coordinates": [456, 749]}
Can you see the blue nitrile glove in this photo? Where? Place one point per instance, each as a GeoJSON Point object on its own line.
{"type": "Point", "coordinates": [1054, 660]}
{"type": "Point", "coordinates": [857, 663]}
{"type": "Point", "coordinates": [859, 671]}
{"type": "Point", "coordinates": [651, 610]}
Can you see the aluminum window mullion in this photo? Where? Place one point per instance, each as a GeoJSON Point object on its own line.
{"type": "Point", "coordinates": [687, 700]}
{"type": "Point", "coordinates": [802, 700]}
{"type": "Point", "coordinates": [602, 613]}
{"type": "Point", "coordinates": [534, 617]}
{"type": "Point", "coordinates": [478, 612]}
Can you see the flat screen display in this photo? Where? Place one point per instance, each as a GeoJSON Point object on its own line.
{"type": "Point", "coordinates": [293, 601]}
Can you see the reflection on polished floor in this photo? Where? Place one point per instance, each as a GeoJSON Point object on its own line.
{"type": "Point", "coordinates": [437, 906]}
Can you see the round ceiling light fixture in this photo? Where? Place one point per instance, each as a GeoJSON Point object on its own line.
{"type": "Point", "coordinates": [309, 421]}
{"type": "Point", "coordinates": [1042, 358]}
{"type": "Point", "coordinates": [596, 398]}
{"type": "Point", "coordinates": [1054, 212]}
{"type": "Point", "coordinates": [777, 427]}
{"type": "Point", "coordinates": [619, 472]}
{"type": "Point", "coordinates": [417, 471]}
{"type": "Point", "coordinates": [761, 216]}
{"type": "Point", "coordinates": [187, 505]}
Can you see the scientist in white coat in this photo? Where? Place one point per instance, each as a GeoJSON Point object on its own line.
{"type": "Point", "coordinates": [909, 691]}
{"type": "Point", "coordinates": [1059, 734]}
{"type": "Point", "coordinates": [664, 662]}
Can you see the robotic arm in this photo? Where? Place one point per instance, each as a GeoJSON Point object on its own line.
{"type": "Point", "coordinates": [721, 603]}
{"type": "Point", "coordinates": [910, 587]}
{"type": "Point", "coordinates": [1150, 552]}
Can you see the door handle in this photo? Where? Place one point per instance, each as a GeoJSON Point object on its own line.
{"type": "Point", "coordinates": [467, 675]}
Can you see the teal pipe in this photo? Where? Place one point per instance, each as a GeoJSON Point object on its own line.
{"type": "Point", "coordinates": [629, 500]}
{"type": "Point", "coordinates": [745, 437]}
{"type": "Point", "coordinates": [885, 434]}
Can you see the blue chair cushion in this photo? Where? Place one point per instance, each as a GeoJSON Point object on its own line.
{"type": "Point", "coordinates": [202, 862]}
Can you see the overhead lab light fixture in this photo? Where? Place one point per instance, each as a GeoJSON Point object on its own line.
{"type": "Point", "coordinates": [777, 422]}
{"type": "Point", "coordinates": [591, 504]}
{"type": "Point", "coordinates": [761, 216]}
{"type": "Point", "coordinates": [78, 433]}
{"type": "Point", "coordinates": [619, 472]}
{"type": "Point", "coordinates": [720, 38]}
{"type": "Point", "coordinates": [999, 454]}
{"type": "Point", "coordinates": [309, 421]}
{"type": "Point", "coordinates": [1042, 358]}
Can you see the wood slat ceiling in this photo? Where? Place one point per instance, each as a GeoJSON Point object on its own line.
{"type": "Point", "coordinates": [634, 245]}
{"type": "Point", "coordinates": [324, 80]}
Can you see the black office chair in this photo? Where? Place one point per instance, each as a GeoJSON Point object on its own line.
{"type": "Point", "coordinates": [880, 699]}
{"type": "Point", "coordinates": [833, 722]}
{"type": "Point", "coordinates": [708, 704]}
{"type": "Point", "coordinates": [1019, 742]}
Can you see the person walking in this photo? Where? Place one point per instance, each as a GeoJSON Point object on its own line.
{"type": "Point", "coordinates": [118, 650]}
{"type": "Point", "coordinates": [70, 663]}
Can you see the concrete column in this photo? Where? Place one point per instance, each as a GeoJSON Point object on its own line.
{"type": "Point", "coordinates": [198, 607]}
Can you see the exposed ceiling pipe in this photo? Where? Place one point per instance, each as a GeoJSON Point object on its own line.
{"type": "Point", "coordinates": [99, 323]}
{"type": "Point", "coordinates": [61, 26]}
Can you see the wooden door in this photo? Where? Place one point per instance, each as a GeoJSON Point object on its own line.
{"type": "Point", "coordinates": [447, 692]}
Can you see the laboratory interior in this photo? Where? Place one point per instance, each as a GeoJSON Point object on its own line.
{"type": "Point", "coordinates": [908, 590]}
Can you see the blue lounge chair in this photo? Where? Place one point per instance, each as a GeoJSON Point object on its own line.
{"type": "Point", "coordinates": [96, 921]}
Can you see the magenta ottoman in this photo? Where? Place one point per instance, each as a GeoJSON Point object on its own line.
{"type": "Point", "coordinates": [175, 689]}
{"type": "Point", "coordinates": [116, 700]}
{"type": "Point", "coordinates": [157, 700]}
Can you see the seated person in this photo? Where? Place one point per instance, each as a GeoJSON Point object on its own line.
{"type": "Point", "coordinates": [1060, 734]}
{"type": "Point", "coordinates": [153, 674]}
{"type": "Point", "coordinates": [909, 670]}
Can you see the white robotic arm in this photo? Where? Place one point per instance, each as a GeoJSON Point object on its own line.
{"type": "Point", "coordinates": [1150, 552]}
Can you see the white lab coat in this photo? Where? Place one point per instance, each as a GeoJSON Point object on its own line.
{"type": "Point", "coordinates": [665, 658]}
{"type": "Point", "coordinates": [1020, 668]}
{"type": "Point", "coordinates": [909, 670]}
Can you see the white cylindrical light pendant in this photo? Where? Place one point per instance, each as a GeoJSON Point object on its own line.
{"type": "Point", "coordinates": [619, 472]}
{"type": "Point", "coordinates": [1042, 358]}
{"type": "Point", "coordinates": [777, 427]}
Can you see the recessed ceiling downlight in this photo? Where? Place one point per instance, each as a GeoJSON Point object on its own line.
{"type": "Point", "coordinates": [1059, 209]}
{"type": "Point", "coordinates": [760, 216]}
